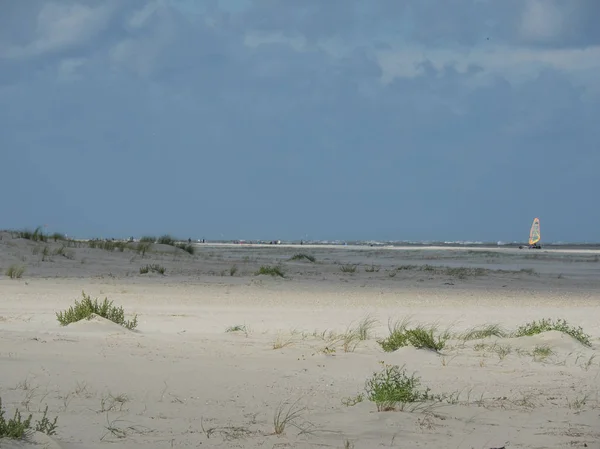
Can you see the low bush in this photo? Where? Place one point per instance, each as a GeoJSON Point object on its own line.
{"type": "Point", "coordinates": [87, 308]}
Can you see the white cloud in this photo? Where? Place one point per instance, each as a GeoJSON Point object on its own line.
{"type": "Point", "coordinates": [541, 21]}
{"type": "Point", "coordinates": [61, 26]}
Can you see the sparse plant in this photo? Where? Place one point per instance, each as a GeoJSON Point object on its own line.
{"type": "Point", "coordinates": [420, 337]}
{"type": "Point", "coordinates": [271, 271]}
{"type": "Point", "coordinates": [187, 247]}
{"type": "Point", "coordinates": [166, 240]}
{"type": "Point", "coordinates": [148, 239]}
{"type": "Point", "coordinates": [286, 414]}
{"type": "Point", "coordinates": [353, 400]}
{"type": "Point", "coordinates": [280, 342]}
{"type": "Point", "coordinates": [233, 270]}
{"type": "Point", "coordinates": [560, 325]}
{"type": "Point", "coordinates": [372, 269]}
{"type": "Point", "coordinates": [348, 268]}
{"type": "Point", "coordinates": [237, 328]}
{"type": "Point", "coordinates": [143, 248]}
{"type": "Point", "coordinates": [152, 268]}
{"type": "Point", "coordinates": [18, 428]}
{"type": "Point", "coordinates": [364, 327]}
{"type": "Point", "coordinates": [392, 388]}
{"type": "Point", "coordinates": [87, 308]}
{"type": "Point", "coordinates": [303, 256]}
{"type": "Point", "coordinates": [485, 331]}
{"type": "Point", "coordinates": [542, 352]}
{"type": "Point", "coordinates": [15, 271]}
{"type": "Point", "coordinates": [35, 236]}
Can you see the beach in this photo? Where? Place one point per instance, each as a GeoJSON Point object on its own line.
{"type": "Point", "coordinates": [221, 354]}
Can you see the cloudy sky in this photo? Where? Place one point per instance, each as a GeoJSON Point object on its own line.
{"type": "Point", "coordinates": [326, 119]}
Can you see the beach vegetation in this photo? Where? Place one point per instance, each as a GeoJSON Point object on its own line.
{"type": "Point", "coordinates": [148, 239]}
{"type": "Point", "coordinates": [233, 270]}
{"type": "Point", "coordinates": [392, 388]}
{"type": "Point", "coordinates": [152, 268]}
{"type": "Point", "coordinates": [286, 414]}
{"type": "Point", "coordinates": [18, 428]}
{"type": "Point", "coordinates": [420, 337]}
{"type": "Point", "coordinates": [271, 271]}
{"type": "Point", "coordinates": [560, 325]}
{"type": "Point", "coordinates": [88, 308]}
{"type": "Point", "coordinates": [372, 269]}
{"type": "Point", "coordinates": [485, 331]}
{"type": "Point", "coordinates": [348, 268]}
{"type": "Point", "coordinates": [303, 256]}
{"type": "Point", "coordinates": [15, 271]}
{"type": "Point", "coordinates": [187, 247]}
{"type": "Point", "coordinates": [35, 236]}
{"type": "Point", "coordinates": [166, 240]}
{"type": "Point", "coordinates": [143, 248]}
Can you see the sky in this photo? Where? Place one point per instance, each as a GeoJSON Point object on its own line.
{"type": "Point", "coordinates": [301, 119]}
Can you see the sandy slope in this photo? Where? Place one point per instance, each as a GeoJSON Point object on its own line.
{"type": "Point", "coordinates": [180, 380]}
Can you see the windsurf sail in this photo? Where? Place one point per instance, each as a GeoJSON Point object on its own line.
{"type": "Point", "coordinates": [534, 232]}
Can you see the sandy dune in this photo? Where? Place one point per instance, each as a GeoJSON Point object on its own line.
{"type": "Point", "coordinates": [181, 381]}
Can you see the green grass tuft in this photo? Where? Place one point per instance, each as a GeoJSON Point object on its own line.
{"type": "Point", "coordinates": [15, 271]}
{"type": "Point", "coordinates": [166, 240]}
{"type": "Point", "coordinates": [546, 325]}
{"type": "Point", "coordinates": [485, 331]}
{"type": "Point", "coordinates": [148, 239]}
{"type": "Point", "coordinates": [348, 268]}
{"type": "Point", "coordinates": [153, 268]}
{"type": "Point", "coordinates": [303, 256]}
{"type": "Point", "coordinates": [420, 337]}
{"type": "Point", "coordinates": [392, 388]}
{"type": "Point", "coordinates": [86, 308]}
{"type": "Point", "coordinates": [18, 428]}
{"type": "Point", "coordinates": [269, 270]}
{"type": "Point", "coordinates": [187, 247]}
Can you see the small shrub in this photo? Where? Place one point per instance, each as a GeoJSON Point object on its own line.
{"type": "Point", "coordinates": [348, 268]}
{"type": "Point", "coordinates": [18, 428]}
{"type": "Point", "coordinates": [236, 328]}
{"type": "Point", "coordinates": [57, 236]}
{"type": "Point", "coordinates": [148, 239]}
{"type": "Point", "coordinates": [15, 271]}
{"type": "Point", "coordinates": [546, 325]}
{"type": "Point", "coordinates": [86, 308]}
{"type": "Point", "coordinates": [153, 268]}
{"type": "Point", "coordinates": [420, 337]}
{"type": "Point", "coordinates": [188, 247]}
{"type": "Point", "coordinates": [233, 270]}
{"type": "Point", "coordinates": [392, 387]}
{"type": "Point", "coordinates": [166, 240]}
{"type": "Point", "coordinates": [372, 269]}
{"type": "Point", "coordinates": [488, 330]}
{"type": "Point", "coordinates": [303, 256]}
{"type": "Point", "coordinates": [35, 236]}
{"type": "Point", "coordinates": [142, 248]}
{"type": "Point", "coordinates": [269, 270]}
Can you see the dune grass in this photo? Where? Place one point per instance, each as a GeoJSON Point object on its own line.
{"type": "Point", "coordinates": [303, 256]}
{"type": "Point", "coordinates": [421, 337]}
{"type": "Point", "coordinates": [270, 270]}
{"type": "Point", "coordinates": [187, 247]}
{"type": "Point", "coordinates": [560, 325]}
{"type": "Point", "coordinates": [15, 271]}
{"type": "Point", "coordinates": [392, 388]}
{"type": "Point", "coordinates": [87, 308]}
{"type": "Point", "coordinates": [35, 236]}
{"type": "Point", "coordinates": [485, 331]}
{"type": "Point", "coordinates": [152, 268]}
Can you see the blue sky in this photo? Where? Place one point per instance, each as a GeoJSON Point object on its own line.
{"type": "Point", "coordinates": [337, 119]}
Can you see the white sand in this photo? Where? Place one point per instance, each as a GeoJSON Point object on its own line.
{"type": "Point", "coordinates": [181, 381]}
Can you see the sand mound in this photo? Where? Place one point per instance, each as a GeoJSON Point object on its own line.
{"type": "Point", "coordinates": [554, 339]}
{"type": "Point", "coordinates": [97, 325]}
{"type": "Point", "coordinates": [35, 441]}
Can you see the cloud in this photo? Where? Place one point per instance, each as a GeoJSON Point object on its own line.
{"type": "Point", "coordinates": [61, 26]}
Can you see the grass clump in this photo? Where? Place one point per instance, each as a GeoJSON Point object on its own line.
{"type": "Point", "coordinates": [17, 428]}
{"type": "Point", "coordinates": [393, 388]}
{"type": "Point", "coordinates": [303, 256]}
{"type": "Point", "coordinates": [348, 268]}
{"type": "Point", "coordinates": [187, 247]}
{"type": "Point", "coordinates": [87, 308]}
{"type": "Point", "coordinates": [420, 337]}
{"type": "Point", "coordinates": [485, 331]}
{"type": "Point", "coordinates": [35, 236]}
{"type": "Point", "coordinates": [166, 240]}
{"type": "Point", "coordinates": [153, 268]}
{"type": "Point", "coordinates": [148, 239]}
{"type": "Point", "coordinates": [269, 270]}
{"type": "Point", "coordinates": [15, 271]}
{"type": "Point", "coordinates": [546, 325]}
